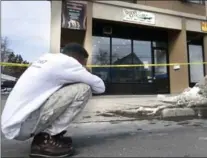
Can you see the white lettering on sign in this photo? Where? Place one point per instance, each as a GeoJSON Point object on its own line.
{"type": "Point", "coordinates": [138, 16]}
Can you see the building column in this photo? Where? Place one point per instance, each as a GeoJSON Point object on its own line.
{"type": "Point", "coordinates": [88, 34]}
{"type": "Point", "coordinates": [206, 9]}
{"type": "Point", "coordinates": [205, 51]}
{"type": "Point", "coordinates": [55, 26]}
{"type": "Point", "coordinates": [179, 79]}
{"type": "Point", "coordinates": [205, 44]}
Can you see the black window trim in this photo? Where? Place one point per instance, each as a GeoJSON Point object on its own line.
{"type": "Point", "coordinates": [201, 2]}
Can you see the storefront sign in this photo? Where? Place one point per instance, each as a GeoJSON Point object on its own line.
{"type": "Point", "coordinates": [204, 26]}
{"type": "Point", "coordinates": [74, 14]}
{"type": "Point", "coordinates": [138, 16]}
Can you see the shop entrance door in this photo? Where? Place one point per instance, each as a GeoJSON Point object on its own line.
{"type": "Point", "coordinates": [143, 75]}
{"type": "Point", "coordinates": [196, 72]}
{"type": "Point", "coordinates": [160, 73]}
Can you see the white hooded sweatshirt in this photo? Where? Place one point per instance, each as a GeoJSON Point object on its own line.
{"type": "Point", "coordinates": [37, 83]}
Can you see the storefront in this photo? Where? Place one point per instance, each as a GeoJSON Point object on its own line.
{"type": "Point", "coordinates": [119, 33]}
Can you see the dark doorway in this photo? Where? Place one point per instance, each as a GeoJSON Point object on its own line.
{"type": "Point", "coordinates": [195, 55]}
{"type": "Point", "coordinates": [161, 78]}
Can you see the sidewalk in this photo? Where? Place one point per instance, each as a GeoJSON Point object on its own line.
{"type": "Point", "coordinates": [131, 107]}
{"type": "Point", "coordinates": [112, 108]}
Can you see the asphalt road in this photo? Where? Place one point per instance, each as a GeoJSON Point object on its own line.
{"type": "Point", "coordinates": [128, 139]}
{"type": "Point", "coordinates": [186, 142]}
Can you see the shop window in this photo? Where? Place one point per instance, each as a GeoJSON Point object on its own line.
{"type": "Point", "coordinates": [121, 55]}
{"type": "Point", "coordinates": [121, 48]}
{"type": "Point", "coordinates": [142, 55]}
{"type": "Point", "coordinates": [101, 57]}
{"type": "Point", "coordinates": [132, 1]}
{"type": "Point", "coordinates": [195, 1]}
{"type": "Point", "coordinates": [159, 44]}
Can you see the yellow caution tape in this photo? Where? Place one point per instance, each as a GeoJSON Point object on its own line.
{"type": "Point", "coordinates": [14, 64]}
{"type": "Point", "coordinates": [127, 65]}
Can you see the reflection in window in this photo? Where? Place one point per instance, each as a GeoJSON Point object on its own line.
{"type": "Point", "coordinates": [101, 50]}
{"type": "Point", "coordinates": [121, 55]}
{"type": "Point", "coordinates": [101, 56]}
{"type": "Point", "coordinates": [142, 55]}
{"type": "Point", "coordinates": [160, 58]}
{"type": "Point", "coordinates": [121, 50]}
{"type": "Point", "coordinates": [196, 55]}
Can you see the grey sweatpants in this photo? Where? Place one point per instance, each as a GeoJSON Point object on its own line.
{"type": "Point", "coordinates": [55, 115]}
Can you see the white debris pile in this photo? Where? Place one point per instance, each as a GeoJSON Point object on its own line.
{"type": "Point", "coordinates": [190, 97]}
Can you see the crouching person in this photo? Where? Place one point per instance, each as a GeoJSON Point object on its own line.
{"type": "Point", "coordinates": [46, 98]}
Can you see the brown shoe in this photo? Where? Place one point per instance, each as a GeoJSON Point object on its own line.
{"type": "Point", "coordinates": [46, 146]}
{"type": "Point", "coordinates": [67, 140]}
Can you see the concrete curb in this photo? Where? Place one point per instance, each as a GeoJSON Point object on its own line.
{"type": "Point", "coordinates": [173, 113]}
{"type": "Point", "coordinates": [178, 112]}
